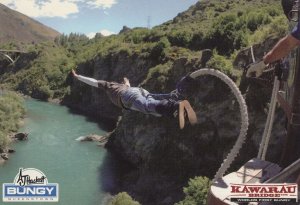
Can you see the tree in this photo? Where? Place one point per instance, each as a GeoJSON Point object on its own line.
{"type": "Point", "coordinates": [196, 192]}
{"type": "Point", "coordinates": [123, 199]}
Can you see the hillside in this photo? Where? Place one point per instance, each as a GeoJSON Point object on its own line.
{"type": "Point", "coordinates": [163, 157]}
{"type": "Point", "coordinates": [20, 28]}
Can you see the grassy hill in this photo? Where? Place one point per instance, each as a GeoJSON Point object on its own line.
{"type": "Point", "coordinates": [20, 28]}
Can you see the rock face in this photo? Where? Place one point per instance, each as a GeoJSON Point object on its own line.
{"type": "Point", "coordinates": [112, 68]}
{"type": "Point", "coordinates": [163, 152]}
{"type": "Point", "coordinates": [159, 148]}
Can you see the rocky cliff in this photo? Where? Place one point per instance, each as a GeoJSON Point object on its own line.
{"type": "Point", "coordinates": [162, 156]}
{"type": "Point", "coordinates": [111, 68]}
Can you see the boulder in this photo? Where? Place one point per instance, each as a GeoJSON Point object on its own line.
{"type": "Point", "coordinates": [4, 156]}
{"type": "Point", "coordinates": [93, 137]}
{"type": "Point", "coordinates": [11, 151]}
{"type": "Point", "coordinates": [82, 138]}
{"type": "Point", "coordinates": [206, 54]}
{"type": "Point", "coordinates": [21, 136]}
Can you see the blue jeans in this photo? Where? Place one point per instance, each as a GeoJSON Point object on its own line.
{"type": "Point", "coordinates": [141, 100]}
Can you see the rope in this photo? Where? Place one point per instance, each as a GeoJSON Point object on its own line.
{"type": "Point", "coordinates": [269, 124]}
{"type": "Point", "coordinates": [252, 54]}
{"type": "Point", "coordinates": [243, 111]}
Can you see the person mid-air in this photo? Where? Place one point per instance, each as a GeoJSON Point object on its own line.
{"type": "Point", "coordinates": [139, 99]}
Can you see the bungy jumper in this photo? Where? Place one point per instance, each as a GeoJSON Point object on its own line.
{"type": "Point", "coordinates": [286, 92]}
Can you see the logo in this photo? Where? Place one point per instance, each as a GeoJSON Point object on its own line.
{"type": "Point", "coordinates": [30, 185]}
{"type": "Point", "coordinates": [264, 193]}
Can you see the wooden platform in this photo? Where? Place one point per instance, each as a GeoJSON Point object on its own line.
{"type": "Point", "coordinates": [254, 171]}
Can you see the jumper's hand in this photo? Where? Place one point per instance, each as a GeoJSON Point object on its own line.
{"type": "Point", "coordinates": [126, 81]}
{"type": "Point", "coordinates": [256, 68]}
{"type": "Point", "coordinates": [74, 73]}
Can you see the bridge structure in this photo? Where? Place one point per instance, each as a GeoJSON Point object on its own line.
{"type": "Point", "coordinates": [11, 55]}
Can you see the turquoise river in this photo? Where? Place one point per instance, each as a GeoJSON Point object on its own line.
{"type": "Point", "coordinates": [83, 170]}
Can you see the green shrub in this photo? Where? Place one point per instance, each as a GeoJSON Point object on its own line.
{"type": "Point", "coordinates": [256, 19]}
{"type": "Point", "coordinates": [123, 199]}
{"type": "Point", "coordinates": [221, 63]}
{"type": "Point", "coordinates": [197, 41]}
{"type": "Point", "coordinates": [157, 71]}
{"type": "Point", "coordinates": [158, 51]}
{"type": "Point", "coordinates": [196, 192]}
{"type": "Point", "coordinates": [158, 77]}
{"type": "Point", "coordinates": [136, 35]}
{"type": "Point", "coordinates": [43, 92]}
{"type": "Point", "coordinates": [11, 111]}
{"type": "Point", "coordinates": [3, 139]}
{"type": "Point", "coordinates": [153, 36]}
{"type": "Point", "coordinates": [180, 38]}
{"type": "Point", "coordinates": [278, 27]}
{"type": "Point", "coordinates": [226, 34]}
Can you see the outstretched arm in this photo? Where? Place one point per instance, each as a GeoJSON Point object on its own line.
{"type": "Point", "coordinates": [281, 49]}
{"type": "Point", "coordinates": [90, 81]}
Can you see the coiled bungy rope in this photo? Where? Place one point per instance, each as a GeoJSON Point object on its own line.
{"type": "Point", "coordinates": [243, 111]}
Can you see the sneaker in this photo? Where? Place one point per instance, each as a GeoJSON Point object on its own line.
{"type": "Point", "coordinates": [190, 112]}
{"type": "Point", "coordinates": [185, 109]}
{"type": "Point", "coordinates": [180, 114]}
{"type": "Point", "coordinates": [178, 110]}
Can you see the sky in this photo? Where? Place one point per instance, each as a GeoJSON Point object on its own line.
{"type": "Point", "coordinates": [99, 16]}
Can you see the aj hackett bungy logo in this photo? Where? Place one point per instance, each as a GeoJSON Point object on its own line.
{"type": "Point", "coordinates": [30, 185]}
{"type": "Point", "coordinates": [264, 192]}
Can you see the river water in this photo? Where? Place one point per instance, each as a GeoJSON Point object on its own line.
{"type": "Point", "coordinates": [83, 170]}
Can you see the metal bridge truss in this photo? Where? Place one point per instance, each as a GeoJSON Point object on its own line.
{"type": "Point", "coordinates": [11, 55]}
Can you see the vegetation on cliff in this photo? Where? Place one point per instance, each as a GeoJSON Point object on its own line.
{"type": "Point", "coordinates": [11, 112]}
{"type": "Point", "coordinates": [221, 26]}
{"type": "Point", "coordinates": [123, 199]}
{"type": "Point", "coordinates": [196, 192]}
